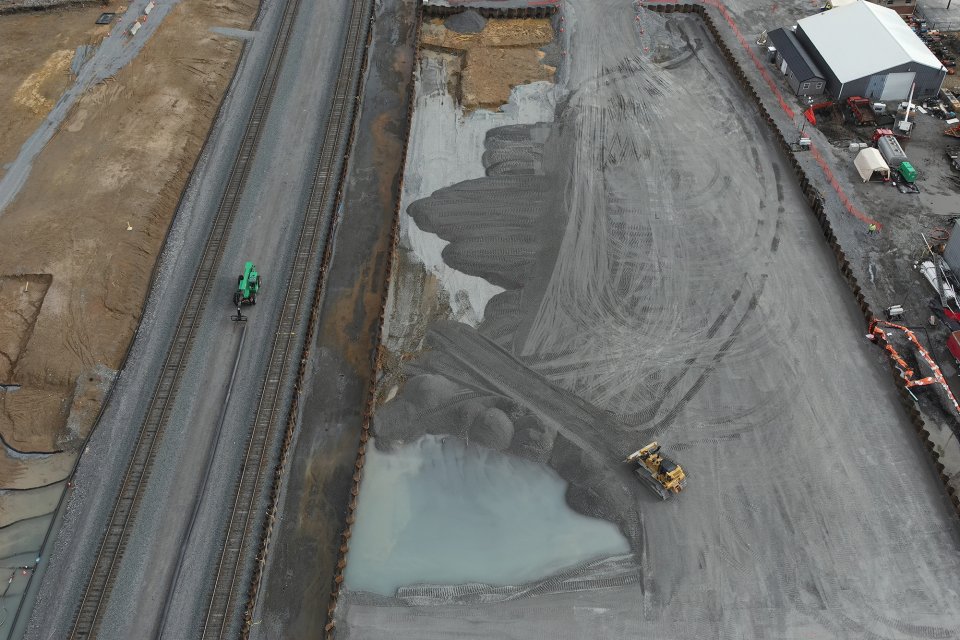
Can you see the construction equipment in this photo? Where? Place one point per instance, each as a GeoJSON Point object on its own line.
{"type": "Point", "coordinates": [894, 312]}
{"type": "Point", "coordinates": [881, 115]}
{"type": "Point", "coordinates": [889, 147]}
{"type": "Point", "coordinates": [895, 157]}
{"type": "Point", "coordinates": [907, 172]}
{"type": "Point", "coordinates": [953, 345]}
{"type": "Point", "coordinates": [248, 285]}
{"type": "Point", "coordinates": [951, 99]}
{"type": "Point", "coordinates": [811, 112]}
{"type": "Point", "coordinates": [953, 154]}
{"type": "Point", "coordinates": [934, 377]}
{"type": "Point", "coordinates": [936, 275]}
{"type": "Point", "coordinates": [862, 110]}
{"type": "Point", "coordinates": [879, 133]}
{"type": "Point", "coordinates": [661, 474]}
{"type": "Point", "coordinates": [904, 127]}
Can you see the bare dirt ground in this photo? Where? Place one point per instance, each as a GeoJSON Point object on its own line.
{"type": "Point", "coordinates": [35, 67]}
{"type": "Point", "coordinates": [486, 65]}
{"type": "Point", "coordinates": [88, 225]}
{"type": "Point", "coordinates": [78, 244]}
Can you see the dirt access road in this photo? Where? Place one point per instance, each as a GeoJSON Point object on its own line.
{"type": "Point", "coordinates": [663, 279]}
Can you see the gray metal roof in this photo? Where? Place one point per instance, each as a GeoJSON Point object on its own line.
{"type": "Point", "coordinates": [861, 39]}
{"type": "Point", "coordinates": [799, 62]}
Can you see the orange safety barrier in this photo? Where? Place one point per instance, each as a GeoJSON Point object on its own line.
{"type": "Point", "coordinates": [849, 206]}
{"type": "Point", "coordinates": [905, 370]}
{"type": "Point", "coordinates": [787, 109]}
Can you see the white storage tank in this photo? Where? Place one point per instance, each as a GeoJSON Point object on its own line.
{"type": "Point", "coordinates": [891, 151]}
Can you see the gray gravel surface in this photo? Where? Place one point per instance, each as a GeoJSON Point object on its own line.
{"type": "Point", "coordinates": [468, 21]}
{"type": "Point", "coordinates": [264, 231]}
{"type": "Point", "coordinates": [690, 297]}
{"type": "Point", "coordinates": [883, 263]}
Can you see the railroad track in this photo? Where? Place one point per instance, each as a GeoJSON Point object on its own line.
{"type": "Point", "coordinates": [113, 544]}
{"type": "Point", "coordinates": [239, 550]}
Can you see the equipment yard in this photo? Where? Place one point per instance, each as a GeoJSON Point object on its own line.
{"type": "Point", "coordinates": [553, 319]}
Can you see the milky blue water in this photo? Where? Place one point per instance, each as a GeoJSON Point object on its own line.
{"type": "Point", "coordinates": [439, 511]}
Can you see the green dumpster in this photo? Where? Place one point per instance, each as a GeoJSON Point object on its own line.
{"type": "Point", "coordinates": [908, 172]}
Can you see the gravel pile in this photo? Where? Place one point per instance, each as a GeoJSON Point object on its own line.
{"type": "Point", "coordinates": [467, 22]}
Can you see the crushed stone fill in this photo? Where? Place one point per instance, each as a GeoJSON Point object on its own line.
{"type": "Point", "coordinates": [467, 22]}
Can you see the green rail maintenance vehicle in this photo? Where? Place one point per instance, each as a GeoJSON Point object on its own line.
{"type": "Point", "coordinates": [248, 285]}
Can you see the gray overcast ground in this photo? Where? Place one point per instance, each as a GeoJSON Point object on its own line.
{"type": "Point", "coordinates": [664, 279]}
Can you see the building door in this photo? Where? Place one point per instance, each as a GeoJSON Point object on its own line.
{"type": "Point", "coordinates": [897, 86]}
{"type": "Point", "coordinates": [875, 87]}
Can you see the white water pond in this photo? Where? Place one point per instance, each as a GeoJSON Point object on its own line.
{"type": "Point", "coordinates": [440, 511]}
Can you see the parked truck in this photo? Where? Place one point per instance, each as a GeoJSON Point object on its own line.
{"type": "Point", "coordinates": [861, 109]}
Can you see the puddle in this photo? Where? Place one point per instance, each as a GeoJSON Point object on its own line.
{"type": "Point", "coordinates": [439, 511]}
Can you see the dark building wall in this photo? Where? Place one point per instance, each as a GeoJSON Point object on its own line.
{"type": "Point", "coordinates": [927, 81]}
{"type": "Point", "coordinates": [833, 84]}
{"type": "Point", "coordinates": [815, 85]}
{"type": "Point", "coordinates": [855, 88]}
{"type": "Point", "coordinates": [952, 253]}
{"type": "Point", "coordinates": [792, 80]}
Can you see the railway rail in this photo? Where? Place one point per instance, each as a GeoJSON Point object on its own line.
{"type": "Point", "coordinates": [257, 471]}
{"type": "Point", "coordinates": [113, 544]}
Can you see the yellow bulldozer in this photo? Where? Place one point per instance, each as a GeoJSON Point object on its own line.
{"type": "Point", "coordinates": [664, 476]}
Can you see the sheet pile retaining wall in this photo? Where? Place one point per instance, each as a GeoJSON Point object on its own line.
{"type": "Point", "coordinates": [812, 195]}
{"type": "Point", "coordinates": [347, 533]}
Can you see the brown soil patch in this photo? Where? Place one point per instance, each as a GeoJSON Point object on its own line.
{"type": "Point", "coordinates": [35, 57]}
{"type": "Point", "coordinates": [519, 32]}
{"type": "Point", "coordinates": [503, 55]}
{"type": "Point", "coordinates": [28, 472]}
{"type": "Point", "coordinates": [491, 73]}
{"type": "Point", "coordinates": [26, 415]}
{"type": "Point", "coordinates": [387, 140]}
{"type": "Point", "coordinates": [20, 300]}
{"type": "Point", "coordinates": [95, 210]}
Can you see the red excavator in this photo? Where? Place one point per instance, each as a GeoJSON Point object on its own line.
{"type": "Point", "coordinates": [811, 113]}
